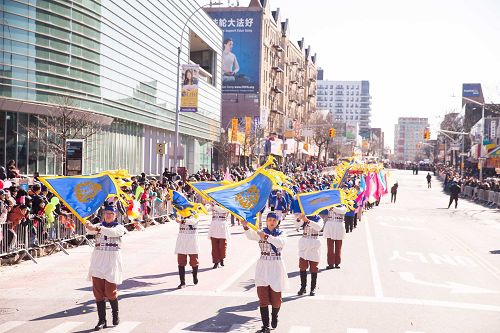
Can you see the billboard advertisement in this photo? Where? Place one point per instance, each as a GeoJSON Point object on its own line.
{"type": "Point", "coordinates": [472, 91]}
{"type": "Point", "coordinates": [189, 90]}
{"type": "Point", "coordinates": [240, 50]}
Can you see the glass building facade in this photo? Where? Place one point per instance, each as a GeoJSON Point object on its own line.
{"type": "Point", "coordinates": [115, 59]}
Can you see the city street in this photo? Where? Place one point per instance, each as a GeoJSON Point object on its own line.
{"type": "Point", "coordinates": [413, 266]}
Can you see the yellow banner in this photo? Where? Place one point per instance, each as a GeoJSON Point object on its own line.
{"type": "Point", "coordinates": [234, 129]}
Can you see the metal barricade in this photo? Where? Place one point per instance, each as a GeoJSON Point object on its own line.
{"type": "Point", "coordinates": [160, 211]}
{"type": "Point", "coordinates": [468, 191]}
{"type": "Point", "coordinates": [15, 240]}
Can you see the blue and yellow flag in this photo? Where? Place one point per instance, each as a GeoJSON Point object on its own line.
{"type": "Point", "coordinates": [311, 203]}
{"type": "Point", "coordinates": [246, 198]}
{"type": "Point", "coordinates": [201, 187]}
{"type": "Point", "coordinates": [184, 207]}
{"type": "Point", "coordinates": [83, 195]}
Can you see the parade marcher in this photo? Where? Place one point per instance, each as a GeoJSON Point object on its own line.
{"type": "Point", "coordinates": [106, 264]}
{"type": "Point", "coordinates": [270, 274]}
{"type": "Point", "coordinates": [454, 191]}
{"type": "Point", "coordinates": [309, 251]}
{"type": "Point", "coordinates": [218, 234]}
{"type": "Point", "coordinates": [187, 245]}
{"type": "Point", "coordinates": [394, 192]}
{"type": "Point", "coordinates": [429, 178]}
{"type": "Point", "coordinates": [280, 206]}
{"type": "Point", "coordinates": [334, 232]}
{"type": "Point", "coordinates": [349, 221]}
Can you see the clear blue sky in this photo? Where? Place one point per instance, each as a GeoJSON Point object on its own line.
{"type": "Point", "coordinates": [416, 54]}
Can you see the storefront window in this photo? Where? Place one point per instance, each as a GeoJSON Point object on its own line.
{"type": "Point", "coordinates": [10, 136]}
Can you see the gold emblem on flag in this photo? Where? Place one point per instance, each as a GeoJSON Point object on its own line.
{"type": "Point", "coordinates": [248, 198]}
{"type": "Point", "coordinates": [319, 201]}
{"type": "Point", "coordinates": [87, 191]}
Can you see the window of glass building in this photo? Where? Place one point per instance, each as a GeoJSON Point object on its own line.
{"type": "Point", "coordinates": [203, 55]}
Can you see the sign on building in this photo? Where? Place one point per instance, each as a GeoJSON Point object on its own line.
{"type": "Point", "coordinates": [240, 51]}
{"type": "Point", "coordinates": [189, 91]}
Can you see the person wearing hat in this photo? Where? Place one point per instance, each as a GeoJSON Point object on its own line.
{"type": "Point", "coordinates": [187, 245]}
{"type": "Point", "coordinates": [309, 251]}
{"type": "Point", "coordinates": [334, 233]}
{"type": "Point", "coordinates": [106, 264]}
{"type": "Point", "coordinates": [270, 274]}
{"type": "Point", "coordinates": [218, 234]}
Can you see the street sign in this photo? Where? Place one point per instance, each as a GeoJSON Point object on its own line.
{"type": "Point", "coordinates": [160, 148]}
{"type": "Point", "coordinates": [307, 133]}
{"type": "Point", "coordinates": [464, 154]}
{"type": "Point", "coordinates": [455, 146]}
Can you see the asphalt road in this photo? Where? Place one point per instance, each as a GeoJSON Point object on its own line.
{"type": "Point", "coordinates": [413, 266]}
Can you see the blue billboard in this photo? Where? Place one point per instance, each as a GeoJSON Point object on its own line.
{"type": "Point", "coordinates": [471, 90]}
{"type": "Point", "coordinates": [240, 50]}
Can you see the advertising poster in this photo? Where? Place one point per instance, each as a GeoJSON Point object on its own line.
{"type": "Point", "coordinates": [248, 125]}
{"type": "Point", "coordinates": [189, 90]}
{"type": "Point", "coordinates": [240, 50]}
{"type": "Point", "coordinates": [234, 130]}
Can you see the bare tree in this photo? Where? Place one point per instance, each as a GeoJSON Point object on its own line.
{"type": "Point", "coordinates": [224, 149]}
{"type": "Point", "coordinates": [65, 122]}
{"type": "Point", "coordinates": [321, 125]}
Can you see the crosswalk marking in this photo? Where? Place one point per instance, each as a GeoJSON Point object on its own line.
{"type": "Point", "coordinates": [10, 325]}
{"type": "Point", "coordinates": [125, 327]}
{"type": "Point", "coordinates": [181, 327]}
{"type": "Point", "coordinates": [300, 329]}
{"type": "Point", "coordinates": [65, 327]}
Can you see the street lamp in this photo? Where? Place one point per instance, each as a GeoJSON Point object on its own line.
{"type": "Point", "coordinates": [177, 109]}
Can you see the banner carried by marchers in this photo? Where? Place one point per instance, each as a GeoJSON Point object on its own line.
{"type": "Point", "coordinates": [189, 91]}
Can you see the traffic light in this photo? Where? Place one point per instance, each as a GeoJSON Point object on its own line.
{"type": "Point", "coordinates": [331, 133]}
{"type": "Point", "coordinates": [427, 134]}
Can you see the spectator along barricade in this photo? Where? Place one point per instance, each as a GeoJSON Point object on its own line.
{"type": "Point", "coordinates": [486, 193]}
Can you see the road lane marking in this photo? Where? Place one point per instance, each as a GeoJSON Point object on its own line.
{"type": "Point", "coordinates": [125, 327]}
{"type": "Point", "coordinates": [236, 276]}
{"type": "Point", "coordinates": [377, 284]}
{"type": "Point", "coordinates": [482, 262]}
{"type": "Point", "coordinates": [456, 288]}
{"type": "Point", "coordinates": [437, 259]}
{"type": "Point", "coordinates": [65, 327]}
{"type": "Point", "coordinates": [10, 325]}
{"type": "Point", "coordinates": [357, 330]}
{"type": "Point", "coordinates": [360, 299]}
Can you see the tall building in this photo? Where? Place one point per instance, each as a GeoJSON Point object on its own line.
{"type": "Point", "coordinates": [268, 76]}
{"type": "Point", "coordinates": [377, 142]}
{"type": "Point", "coordinates": [348, 101]}
{"type": "Point", "coordinates": [116, 60]}
{"type": "Point", "coordinates": [408, 134]}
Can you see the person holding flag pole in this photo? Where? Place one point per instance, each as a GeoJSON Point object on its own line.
{"type": "Point", "coordinates": [270, 274]}
{"type": "Point", "coordinates": [106, 264]}
{"type": "Point", "coordinates": [309, 250]}
{"type": "Point", "coordinates": [83, 196]}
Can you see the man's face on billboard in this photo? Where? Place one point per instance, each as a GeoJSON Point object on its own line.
{"type": "Point", "coordinates": [229, 46]}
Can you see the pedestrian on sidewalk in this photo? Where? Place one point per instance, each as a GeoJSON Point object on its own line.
{"type": "Point", "coordinates": [106, 264]}
{"type": "Point", "coordinates": [454, 192]}
{"type": "Point", "coordinates": [394, 192]}
{"type": "Point", "coordinates": [429, 178]}
{"type": "Point", "coordinates": [309, 250]}
{"type": "Point", "coordinates": [187, 245]}
{"type": "Point", "coordinates": [270, 274]}
{"type": "Point", "coordinates": [334, 233]}
{"type": "Point", "coordinates": [218, 234]}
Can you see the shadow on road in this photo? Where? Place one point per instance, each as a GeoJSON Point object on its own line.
{"type": "Point", "coordinates": [495, 252]}
{"type": "Point", "coordinates": [225, 318]}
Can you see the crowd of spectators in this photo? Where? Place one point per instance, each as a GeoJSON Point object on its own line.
{"type": "Point", "coordinates": [468, 179]}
